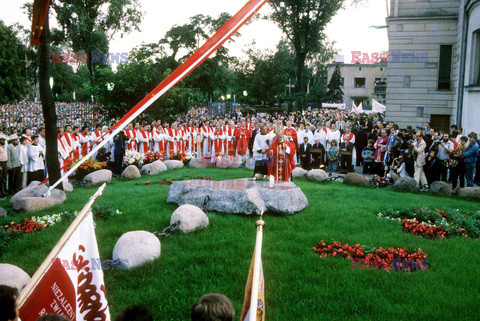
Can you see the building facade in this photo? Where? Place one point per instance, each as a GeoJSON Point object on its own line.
{"type": "Point", "coordinates": [433, 69]}
{"type": "Point", "coordinates": [361, 83]}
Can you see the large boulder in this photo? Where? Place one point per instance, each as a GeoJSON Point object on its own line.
{"type": "Point", "coordinates": [131, 172]}
{"type": "Point", "coordinates": [394, 177]}
{"type": "Point", "coordinates": [199, 163]}
{"type": "Point", "coordinates": [440, 188]}
{"type": "Point", "coordinates": [229, 162]}
{"type": "Point", "coordinates": [250, 164]}
{"type": "Point", "coordinates": [470, 192]}
{"type": "Point", "coordinates": [135, 248]}
{"type": "Point", "coordinates": [26, 192]}
{"type": "Point", "coordinates": [58, 196]}
{"type": "Point", "coordinates": [34, 183]}
{"type": "Point", "coordinates": [160, 166]}
{"type": "Point", "coordinates": [299, 172]}
{"type": "Point", "coordinates": [67, 187]}
{"type": "Point", "coordinates": [3, 213]}
{"type": "Point", "coordinates": [173, 164]}
{"type": "Point", "coordinates": [97, 178]}
{"type": "Point", "coordinates": [239, 196]}
{"type": "Point", "coordinates": [32, 204]}
{"type": "Point", "coordinates": [13, 276]}
{"type": "Point", "coordinates": [149, 169]}
{"type": "Point", "coordinates": [190, 217]}
{"type": "Point", "coordinates": [406, 184]}
{"type": "Point", "coordinates": [355, 179]}
{"type": "Point", "coordinates": [317, 175]}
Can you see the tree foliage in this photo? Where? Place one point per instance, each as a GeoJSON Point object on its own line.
{"type": "Point", "coordinates": [304, 22]}
{"type": "Point", "coordinates": [334, 93]}
{"type": "Point", "coordinates": [13, 65]}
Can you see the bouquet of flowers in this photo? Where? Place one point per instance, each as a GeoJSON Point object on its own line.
{"type": "Point", "coordinates": [181, 156]}
{"type": "Point", "coordinates": [89, 166]}
{"type": "Point", "coordinates": [150, 157]}
{"type": "Point", "coordinates": [189, 156]}
{"type": "Point", "coordinates": [378, 182]}
{"type": "Point", "coordinates": [133, 158]}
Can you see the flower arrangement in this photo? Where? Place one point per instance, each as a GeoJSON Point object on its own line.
{"type": "Point", "coordinates": [181, 156]}
{"type": "Point", "coordinates": [151, 157]}
{"type": "Point", "coordinates": [375, 258]}
{"type": "Point", "coordinates": [166, 182]}
{"type": "Point", "coordinates": [49, 220]}
{"type": "Point", "coordinates": [133, 158]}
{"type": "Point", "coordinates": [23, 227]}
{"type": "Point", "coordinates": [379, 182]}
{"type": "Point", "coordinates": [89, 166]}
{"type": "Point", "coordinates": [435, 223]}
{"type": "Point", "coordinates": [190, 155]}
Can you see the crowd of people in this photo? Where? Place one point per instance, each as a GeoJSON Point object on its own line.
{"type": "Point", "coordinates": [27, 114]}
{"type": "Point", "coordinates": [336, 140]}
{"type": "Point", "coordinates": [210, 307]}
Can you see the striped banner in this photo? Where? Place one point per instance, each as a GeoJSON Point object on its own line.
{"type": "Point", "coordinates": [195, 60]}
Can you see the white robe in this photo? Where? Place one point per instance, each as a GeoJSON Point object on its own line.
{"type": "Point", "coordinates": [333, 134]}
{"type": "Point", "coordinates": [260, 143]}
{"type": "Point", "coordinates": [35, 160]}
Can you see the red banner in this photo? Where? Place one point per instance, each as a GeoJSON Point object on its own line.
{"type": "Point", "coordinates": [40, 11]}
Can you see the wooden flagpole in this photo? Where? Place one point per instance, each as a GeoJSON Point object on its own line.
{"type": "Point", "coordinates": [256, 269]}
{"type": "Point", "coordinates": [48, 261]}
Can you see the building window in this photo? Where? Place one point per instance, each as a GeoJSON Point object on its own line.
{"type": "Point", "coordinates": [380, 86]}
{"type": "Point", "coordinates": [445, 67]}
{"type": "Point", "coordinates": [475, 62]}
{"type": "Point", "coordinates": [359, 82]}
{"type": "Point", "coordinates": [342, 82]}
{"type": "Point", "coordinates": [406, 82]}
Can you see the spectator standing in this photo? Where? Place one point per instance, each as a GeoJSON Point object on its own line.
{"type": "Point", "coordinates": [368, 155]}
{"type": "Point", "coordinates": [36, 166]}
{"type": "Point", "coordinates": [304, 153]}
{"type": "Point", "coordinates": [432, 167]}
{"type": "Point", "coordinates": [14, 165]}
{"type": "Point", "coordinates": [24, 160]}
{"type": "Point", "coordinates": [470, 156]}
{"type": "Point", "coordinates": [419, 146]}
{"type": "Point", "coordinates": [445, 149]}
{"type": "Point", "coordinates": [3, 166]}
{"type": "Point", "coordinates": [333, 156]}
{"type": "Point", "coordinates": [119, 143]}
{"type": "Point", "coordinates": [458, 170]}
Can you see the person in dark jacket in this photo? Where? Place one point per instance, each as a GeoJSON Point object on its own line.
{"type": "Point", "coordinates": [119, 143]}
{"type": "Point", "coordinates": [317, 151]}
{"type": "Point", "coordinates": [304, 153]}
{"type": "Point", "coordinates": [360, 144]}
{"type": "Point", "coordinates": [432, 167]}
{"type": "Point", "coordinates": [368, 158]}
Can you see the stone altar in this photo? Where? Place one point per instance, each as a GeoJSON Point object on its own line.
{"type": "Point", "coordinates": [239, 196]}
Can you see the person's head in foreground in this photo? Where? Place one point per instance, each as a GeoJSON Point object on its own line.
{"type": "Point", "coordinates": [212, 307]}
{"type": "Point", "coordinates": [8, 303]}
{"type": "Point", "coordinates": [53, 317]}
{"type": "Point", "coordinates": [134, 313]}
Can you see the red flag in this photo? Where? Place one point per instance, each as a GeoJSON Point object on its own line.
{"type": "Point", "coordinates": [40, 11]}
{"type": "Point", "coordinates": [73, 284]}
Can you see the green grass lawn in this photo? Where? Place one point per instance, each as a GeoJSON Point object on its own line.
{"type": "Point", "coordinates": [299, 284]}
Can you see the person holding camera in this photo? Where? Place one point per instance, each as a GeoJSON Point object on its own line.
{"type": "Point", "coordinates": [445, 149]}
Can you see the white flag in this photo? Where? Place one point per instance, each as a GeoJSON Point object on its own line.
{"type": "Point", "coordinates": [73, 284]}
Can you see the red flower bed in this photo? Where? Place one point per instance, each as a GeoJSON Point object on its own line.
{"type": "Point", "coordinates": [375, 258]}
{"type": "Point", "coordinates": [25, 226]}
{"type": "Point", "coordinates": [430, 231]}
{"type": "Point", "coordinates": [151, 157]}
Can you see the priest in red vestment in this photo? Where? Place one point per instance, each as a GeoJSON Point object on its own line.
{"type": "Point", "coordinates": [281, 157]}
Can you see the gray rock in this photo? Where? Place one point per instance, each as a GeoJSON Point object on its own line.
{"type": "Point", "coordinates": [160, 166]}
{"type": "Point", "coordinates": [250, 164]}
{"type": "Point", "coordinates": [173, 164]}
{"type": "Point", "coordinates": [58, 196]}
{"type": "Point", "coordinates": [13, 276]}
{"type": "Point", "coordinates": [34, 183]}
{"type": "Point", "coordinates": [299, 172]}
{"type": "Point", "coordinates": [317, 175]}
{"type": "Point", "coordinates": [190, 217]}
{"type": "Point", "coordinates": [469, 192]}
{"type": "Point", "coordinates": [355, 179]}
{"type": "Point", "coordinates": [440, 188]}
{"type": "Point", "coordinates": [199, 163]}
{"type": "Point", "coordinates": [149, 169]}
{"type": "Point", "coordinates": [3, 213]}
{"type": "Point", "coordinates": [26, 192]}
{"type": "Point", "coordinates": [242, 196]}
{"type": "Point", "coordinates": [97, 178]}
{"type": "Point", "coordinates": [67, 187]}
{"type": "Point", "coordinates": [394, 177]}
{"type": "Point", "coordinates": [131, 172]}
{"type": "Point", "coordinates": [135, 248]}
{"type": "Point", "coordinates": [406, 184]}
{"type": "Point", "coordinates": [32, 204]}
{"type": "Point", "coordinates": [229, 162]}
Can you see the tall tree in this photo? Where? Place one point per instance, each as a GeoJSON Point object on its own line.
{"type": "Point", "coordinates": [48, 105]}
{"type": "Point", "coordinates": [334, 94]}
{"type": "Point", "coordinates": [88, 26]}
{"type": "Point", "coordinates": [304, 22]}
{"type": "Point", "coordinates": [13, 66]}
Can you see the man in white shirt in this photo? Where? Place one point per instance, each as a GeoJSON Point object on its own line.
{"type": "Point", "coordinates": [24, 160]}
{"type": "Point", "coordinates": [36, 157]}
{"type": "Point", "coordinates": [260, 145]}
